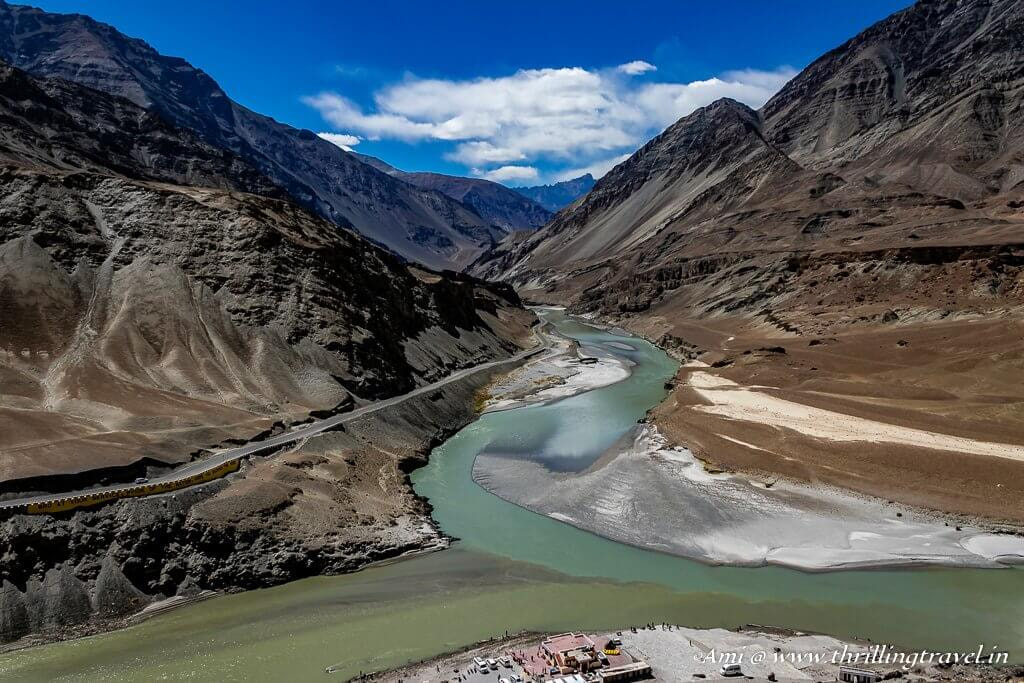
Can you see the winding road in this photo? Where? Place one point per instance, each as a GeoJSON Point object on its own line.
{"type": "Point", "coordinates": [297, 434]}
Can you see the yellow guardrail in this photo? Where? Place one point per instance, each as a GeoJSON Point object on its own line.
{"type": "Point", "coordinates": [88, 499]}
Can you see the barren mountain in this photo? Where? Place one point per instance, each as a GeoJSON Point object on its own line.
{"type": "Point", "coordinates": [874, 205]}
{"type": "Point", "coordinates": [493, 202]}
{"type": "Point", "coordinates": [559, 195]}
{"type": "Point", "coordinates": [159, 298]}
{"type": "Point", "coordinates": [420, 225]}
{"type": "Point", "coordinates": [144, 318]}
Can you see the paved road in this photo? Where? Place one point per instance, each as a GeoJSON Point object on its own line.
{"type": "Point", "coordinates": [292, 436]}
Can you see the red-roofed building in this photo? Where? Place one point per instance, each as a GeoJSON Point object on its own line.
{"type": "Point", "coordinates": [571, 651]}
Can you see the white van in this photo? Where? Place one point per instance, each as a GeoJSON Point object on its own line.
{"type": "Point", "coordinates": [493, 663]}
{"type": "Point", "coordinates": [479, 662]}
{"type": "Point", "coordinates": [731, 670]}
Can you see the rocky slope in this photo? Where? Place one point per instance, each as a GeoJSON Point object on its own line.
{"type": "Point", "coordinates": [493, 202]}
{"type": "Point", "coordinates": [158, 300]}
{"type": "Point", "coordinates": [330, 505]}
{"type": "Point", "coordinates": [557, 196]}
{"type": "Point", "coordinates": [875, 204]}
{"type": "Point", "coordinates": [421, 225]}
{"type": "Point", "coordinates": [145, 318]}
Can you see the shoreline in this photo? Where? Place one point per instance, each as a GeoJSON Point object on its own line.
{"type": "Point", "coordinates": [804, 527]}
{"type": "Point", "coordinates": [813, 563]}
{"type": "Point", "coordinates": [415, 531]}
{"type": "Point", "coordinates": [560, 374]}
{"type": "Point", "coordinates": [679, 653]}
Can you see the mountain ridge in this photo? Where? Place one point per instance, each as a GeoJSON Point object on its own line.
{"type": "Point", "coordinates": [420, 225]}
{"type": "Point", "coordinates": [492, 201]}
{"type": "Point", "coordinates": [136, 260]}
{"type": "Point", "coordinates": [557, 196]}
{"type": "Point", "coordinates": [854, 246]}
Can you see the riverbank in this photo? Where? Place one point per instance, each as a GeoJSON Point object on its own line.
{"type": "Point", "coordinates": [647, 493]}
{"type": "Point", "coordinates": [565, 370]}
{"type": "Point", "coordinates": [642, 491]}
{"type": "Point", "coordinates": [510, 566]}
{"type": "Point", "coordinates": [939, 401]}
{"type": "Point", "coordinates": [330, 504]}
{"type": "Point", "coordinates": [676, 653]}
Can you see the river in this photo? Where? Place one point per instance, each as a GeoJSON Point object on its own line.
{"type": "Point", "coordinates": [513, 569]}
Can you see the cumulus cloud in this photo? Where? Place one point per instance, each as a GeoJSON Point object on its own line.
{"type": "Point", "coordinates": [483, 152]}
{"type": "Point", "coordinates": [636, 67]}
{"type": "Point", "coordinates": [344, 113]}
{"type": "Point", "coordinates": [508, 173]}
{"type": "Point", "coordinates": [343, 140]}
{"type": "Point", "coordinates": [569, 117]}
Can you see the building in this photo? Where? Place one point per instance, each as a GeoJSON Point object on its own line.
{"type": "Point", "coordinates": [626, 672]}
{"type": "Point", "coordinates": [571, 652]}
{"type": "Point", "coordinates": [849, 674]}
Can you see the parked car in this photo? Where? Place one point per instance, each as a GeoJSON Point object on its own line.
{"type": "Point", "coordinates": [142, 480]}
{"type": "Point", "coordinates": [479, 662]}
{"type": "Point", "coordinates": [506, 662]}
{"type": "Point", "coordinates": [731, 670]}
{"type": "Point", "coordinates": [493, 663]}
{"type": "Point", "coordinates": [516, 678]}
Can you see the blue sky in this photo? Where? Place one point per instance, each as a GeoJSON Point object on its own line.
{"type": "Point", "coordinates": [520, 93]}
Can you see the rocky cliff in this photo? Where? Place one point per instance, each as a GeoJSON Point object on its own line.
{"type": "Point", "coordinates": [419, 224]}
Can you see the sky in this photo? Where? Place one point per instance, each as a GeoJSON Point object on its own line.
{"type": "Point", "coordinates": [521, 93]}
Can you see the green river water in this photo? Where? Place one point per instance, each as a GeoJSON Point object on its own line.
{"type": "Point", "coordinates": [513, 569]}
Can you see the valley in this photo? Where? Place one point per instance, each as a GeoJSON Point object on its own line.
{"type": "Point", "coordinates": [510, 565]}
{"type": "Point", "coordinates": [273, 408]}
{"type": "Point", "coordinates": [853, 246]}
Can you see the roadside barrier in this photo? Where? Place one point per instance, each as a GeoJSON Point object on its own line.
{"type": "Point", "coordinates": [89, 499]}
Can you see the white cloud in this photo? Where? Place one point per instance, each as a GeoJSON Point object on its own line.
{"type": "Point", "coordinates": [506, 173]}
{"type": "Point", "coordinates": [596, 169]}
{"type": "Point", "coordinates": [772, 80]}
{"type": "Point", "coordinates": [343, 140]}
{"type": "Point", "coordinates": [344, 113]}
{"type": "Point", "coordinates": [567, 117]}
{"type": "Point", "coordinates": [636, 67]}
{"type": "Point", "coordinates": [665, 103]}
{"type": "Point", "coordinates": [483, 152]}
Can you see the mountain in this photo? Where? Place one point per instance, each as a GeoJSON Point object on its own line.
{"type": "Point", "coordinates": [914, 119]}
{"type": "Point", "coordinates": [856, 245]}
{"type": "Point", "coordinates": [556, 197]}
{"type": "Point", "coordinates": [493, 202]}
{"type": "Point", "coordinates": [161, 297]}
{"type": "Point", "coordinates": [421, 225]}
{"type": "Point", "coordinates": [153, 303]}
{"type": "Point", "coordinates": [58, 124]}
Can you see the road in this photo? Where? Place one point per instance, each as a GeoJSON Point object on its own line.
{"type": "Point", "coordinates": [292, 436]}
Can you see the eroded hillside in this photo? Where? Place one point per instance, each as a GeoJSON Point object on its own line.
{"type": "Point", "coordinates": [869, 216]}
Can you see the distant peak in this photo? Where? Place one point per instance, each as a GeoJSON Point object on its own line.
{"type": "Point", "coordinates": [727, 105]}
